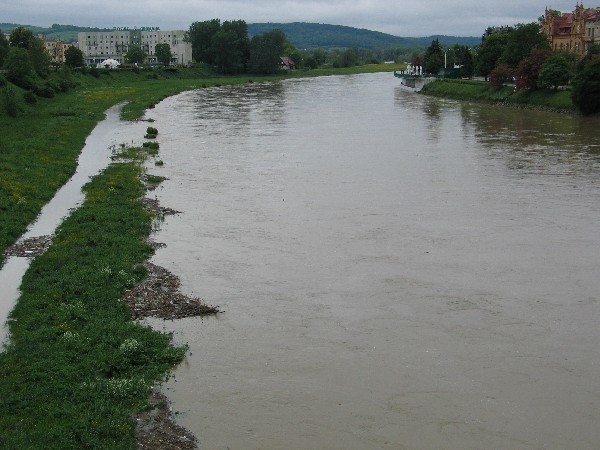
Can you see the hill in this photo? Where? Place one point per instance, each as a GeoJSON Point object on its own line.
{"type": "Point", "coordinates": [315, 35]}
{"type": "Point", "coordinates": [302, 35]}
{"type": "Point", "coordinates": [66, 33]}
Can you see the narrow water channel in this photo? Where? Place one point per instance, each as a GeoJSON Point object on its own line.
{"type": "Point", "coordinates": [395, 271]}
{"type": "Point", "coordinates": [95, 156]}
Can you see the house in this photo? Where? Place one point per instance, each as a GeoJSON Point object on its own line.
{"type": "Point", "coordinates": [287, 63]}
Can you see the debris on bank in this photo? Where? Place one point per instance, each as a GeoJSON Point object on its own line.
{"type": "Point", "coordinates": [155, 429]}
{"type": "Point", "coordinates": [158, 296]}
{"type": "Point", "coordinates": [34, 246]}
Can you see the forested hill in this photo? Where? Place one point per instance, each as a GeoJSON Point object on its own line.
{"type": "Point", "coordinates": [315, 35]}
{"type": "Point", "coordinates": [302, 35]}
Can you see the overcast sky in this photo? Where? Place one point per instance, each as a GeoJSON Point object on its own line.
{"type": "Point", "coordinates": [397, 17]}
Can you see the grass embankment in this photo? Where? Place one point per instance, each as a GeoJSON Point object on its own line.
{"type": "Point", "coordinates": [77, 369]}
{"type": "Point", "coordinates": [483, 92]}
{"type": "Point", "coordinates": [39, 148]}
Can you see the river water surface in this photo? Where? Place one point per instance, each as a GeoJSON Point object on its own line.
{"type": "Point", "coordinates": [395, 271]}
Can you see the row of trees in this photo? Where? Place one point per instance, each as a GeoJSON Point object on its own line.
{"type": "Point", "coordinates": [522, 55]}
{"type": "Point", "coordinates": [227, 47]}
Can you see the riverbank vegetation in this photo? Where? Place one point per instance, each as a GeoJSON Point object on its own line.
{"type": "Point", "coordinates": [479, 91]}
{"type": "Point", "coordinates": [77, 370]}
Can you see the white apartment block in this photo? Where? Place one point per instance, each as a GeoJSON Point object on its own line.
{"type": "Point", "coordinates": [99, 46]}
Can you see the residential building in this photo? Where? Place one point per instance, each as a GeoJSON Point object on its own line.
{"type": "Point", "coordinates": [102, 45]}
{"type": "Point", "coordinates": [57, 49]}
{"type": "Point", "coordinates": [572, 31]}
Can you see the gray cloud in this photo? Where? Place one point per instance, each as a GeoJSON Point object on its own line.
{"type": "Point", "coordinates": [404, 18]}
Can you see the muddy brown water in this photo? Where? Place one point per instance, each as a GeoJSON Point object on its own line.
{"type": "Point", "coordinates": [396, 271]}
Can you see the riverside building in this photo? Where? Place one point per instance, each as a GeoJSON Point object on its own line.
{"type": "Point", "coordinates": [572, 31]}
{"type": "Point", "coordinates": [99, 46]}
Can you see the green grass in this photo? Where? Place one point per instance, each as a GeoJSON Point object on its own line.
{"type": "Point", "coordinates": [484, 92]}
{"type": "Point", "coordinates": [77, 369]}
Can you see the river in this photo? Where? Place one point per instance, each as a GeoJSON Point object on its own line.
{"type": "Point", "coordinates": [395, 271]}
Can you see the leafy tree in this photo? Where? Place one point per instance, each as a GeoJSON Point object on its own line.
{"type": "Point", "coordinates": [18, 66]}
{"type": "Point", "coordinates": [265, 52]}
{"type": "Point", "coordinates": [200, 35]}
{"type": "Point", "coordinates": [163, 54]}
{"type": "Point", "coordinates": [489, 53]}
{"type": "Point", "coordinates": [135, 55]}
{"type": "Point", "coordinates": [347, 58]}
{"type": "Point", "coordinates": [433, 61]}
{"type": "Point", "coordinates": [74, 57]}
{"type": "Point", "coordinates": [586, 85]}
{"type": "Point", "coordinates": [521, 41]}
{"type": "Point", "coordinates": [40, 58]}
{"type": "Point", "coordinates": [231, 47]}
{"type": "Point", "coordinates": [500, 75]}
{"type": "Point", "coordinates": [21, 37]}
{"type": "Point", "coordinates": [528, 70]}
{"type": "Point", "coordinates": [556, 71]}
{"type": "Point", "coordinates": [4, 47]}
{"type": "Point", "coordinates": [464, 58]}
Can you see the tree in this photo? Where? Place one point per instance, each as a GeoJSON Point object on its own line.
{"type": "Point", "coordinates": [528, 70]}
{"type": "Point", "coordinates": [18, 66]}
{"type": "Point", "coordinates": [163, 54]}
{"type": "Point", "coordinates": [586, 85]}
{"type": "Point", "coordinates": [74, 57]}
{"type": "Point", "coordinates": [4, 47]}
{"type": "Point", "coordinates": [265, 52]}
{"type": "Point", "coordinates": [40, 58]}
{"type": "Point", "coordinates": [464, 58]}
{"type": "Point", "coordinates": [488, 54]}
{"type": "Point", "coordinates": [433, 61]}
{"type": "Point", "coordinates": [521, 41]}
{"type": "Point", "coordinates": [556, 71]}
{"type": "Point", "coordinates": [347, 58]}
{"type": "Point", "coordinates": [230, 45]}
{"type": "Point", "coordinates": [135, 55]}
{"type": "Point", "coordinates": [21, 37]}
{"type": "Point", "coordinates": [200, 35]}
{"type": "Point", "coordinates": [500, 75]}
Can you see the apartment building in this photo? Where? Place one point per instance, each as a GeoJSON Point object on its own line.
{"type": "Point", "coordinates": [102, 45]}
{"type": "Point", "coordinates": [56, 49]}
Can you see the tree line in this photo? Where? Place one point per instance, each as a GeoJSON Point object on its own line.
{"type": "Point", "coordinates": [521, 55]}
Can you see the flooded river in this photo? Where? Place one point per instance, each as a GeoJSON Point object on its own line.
{"type": "Point", "coordinates": [395, 271]}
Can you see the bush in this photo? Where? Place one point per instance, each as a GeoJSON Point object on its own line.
{"type": "Point", "coordinates": [500, 75]}
{"type": "Point", "coordinates": [2, 80]}
{"type": "Point", "coordinates": [44, 91]}
{"type": "Point", "coordinates": [30, 97]}
{"type": "Point", "coordinates": [586, 88]}
{"type": "Point", "coordinates": [10, 101]}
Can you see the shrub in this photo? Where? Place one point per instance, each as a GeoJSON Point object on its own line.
{"type": "Point", "coordinates": [30, 97]}
{"type": "Point", "coordinates": [10, 101]}
{"type": "Point", "coordinates": [500, 75]}
{"type": "Point", "coordinates": [44, 91]}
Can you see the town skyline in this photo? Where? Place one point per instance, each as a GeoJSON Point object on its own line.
{"type": "Point", "coordinates": [437, 17]}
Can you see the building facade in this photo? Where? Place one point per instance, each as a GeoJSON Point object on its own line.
{"type": "Point", "coordinates": [57, 49]}
{"type": "Point", "coordinates": [102, 45]}
{"type": "Point", "coordinates": [572, 31]}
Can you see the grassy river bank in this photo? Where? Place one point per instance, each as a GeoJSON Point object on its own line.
{"type": "Point", "coordinates": [479, 91]}
{"type": "Point", "coordinates": [77, 370]}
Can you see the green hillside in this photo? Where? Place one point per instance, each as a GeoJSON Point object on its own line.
{"type": "Point", "coordinates": [301, 34]}
{"type": "Point", "coordinates": [315, 35]}
{"type": "Point", "coordinates": [66, 33]}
